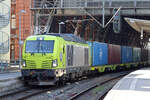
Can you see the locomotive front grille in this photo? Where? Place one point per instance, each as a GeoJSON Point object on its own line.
{"type": "Point", "coordinates": [31, 63]}
{"type": "Point", "coordinates": [46, 64]}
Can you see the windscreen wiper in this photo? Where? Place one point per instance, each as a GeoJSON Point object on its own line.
{"type": "Point", "coordinates": [32, 53]}
{"type": "Point", "coordinates": [43, 53]}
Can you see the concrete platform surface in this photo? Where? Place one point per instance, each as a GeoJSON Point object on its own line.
{"type": "Point", "coordinates": [11, 68]}
{"type": "Point", "coordinates": [9, 82]}
{"type": "Point", "coordinates": [134, 86]}
{"type": "Point", "coordinates": [9, 76]}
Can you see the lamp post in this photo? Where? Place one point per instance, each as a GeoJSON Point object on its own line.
{"type": "Point", "coordinates": [20, 42]}
{"type": "Point", "coordinates": [61, 23]}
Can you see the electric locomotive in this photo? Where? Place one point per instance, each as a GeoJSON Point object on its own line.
{"type": "Point", "coordinates": [52, 58]}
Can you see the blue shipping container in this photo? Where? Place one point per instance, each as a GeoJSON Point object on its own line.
{"type": "Point", "coordinates": [130, 54]}
{"type": "Point", "coordinates": [126, 54]}
{"type": "Point", "coordinates": [99, 53]}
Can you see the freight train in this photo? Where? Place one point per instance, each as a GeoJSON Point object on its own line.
{"type": "Point", "coordinates": [50, 59]}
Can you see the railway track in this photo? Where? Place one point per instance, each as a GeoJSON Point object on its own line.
{"type": "Point", "coordinates": [25, 92]}
{"type": "Point", "coordinates": [85, 86]}
{"type": "Point", "coordinates": [101, 95]}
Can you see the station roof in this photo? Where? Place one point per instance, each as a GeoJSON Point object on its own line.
{"type": "Point", "coordinates": [139, 24]}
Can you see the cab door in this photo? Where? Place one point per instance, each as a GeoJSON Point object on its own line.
{"type": "Point", "coordinates": [62, 53]}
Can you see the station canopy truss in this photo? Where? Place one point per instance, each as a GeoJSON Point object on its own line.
{"type": "Point", "coordinates": [47, 14]}
{"type": "Point", "coordinates": [139, 24]}
{"type": "Point", "coordinates": [44, 10]}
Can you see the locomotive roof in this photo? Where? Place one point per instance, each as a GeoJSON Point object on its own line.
{"type": "Point", "coordinates": [67, 37]}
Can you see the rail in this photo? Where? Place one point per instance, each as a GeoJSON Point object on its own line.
{"type": "Point", "coordinates": [75, 97]}
{"type": "Point", "coordinates": [25, 92]}
{"type": "Point", "coordinates": [67, 92]}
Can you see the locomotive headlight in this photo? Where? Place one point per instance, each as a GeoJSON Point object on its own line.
{"type": "Point", "coordinates": [54, 63]}
{"type": "Point", "coordinates": [24, 63]}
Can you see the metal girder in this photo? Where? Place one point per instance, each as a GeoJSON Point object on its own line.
{"type": "Point", "coordinates": [112, 17]}
{"type": "Point", "coordinates": [93, 18]}
{"type": "Point", "coordinates": [44, 20]}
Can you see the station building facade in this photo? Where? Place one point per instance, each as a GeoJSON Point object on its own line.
{"type": "Point", "coordinates": [16, 7]}
{"type": "Point", "coordinates": [5, 31]}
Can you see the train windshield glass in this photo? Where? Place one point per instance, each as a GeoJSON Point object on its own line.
{"type": "Point", "coordinates": [39, 46]}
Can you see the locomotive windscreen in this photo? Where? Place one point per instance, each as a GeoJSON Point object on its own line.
{"type": "Point", "coordinates": [39, 46]}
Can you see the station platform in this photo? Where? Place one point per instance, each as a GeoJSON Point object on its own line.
{"type": "Point", "coordinates": [9, 76]}
{"type": "Point", "coordinates": [11, 68]}
{"type": "Point", "coordinates": [9, 81]}
{"type": "Point", "coordinates": [134, 86]}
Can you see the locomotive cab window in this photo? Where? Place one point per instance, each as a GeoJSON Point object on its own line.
{"type": "Point", "coordinates": [39, 46]}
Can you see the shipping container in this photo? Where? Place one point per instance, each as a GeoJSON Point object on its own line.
{"type": "Point", "coordinates": [130, 54]}
{"type": "Point", "coordinates": [99, 53]}
{"type": "Point", "coordinates": [126, 54]}
{"type": "Point", "coordinates": [144, 54]}
{"type": "Point", "coordinates": [136, 54]}
{"type": "Point", "coordinates": [149, 55]}
{"type": "Point", "coordinates": [114, 54]}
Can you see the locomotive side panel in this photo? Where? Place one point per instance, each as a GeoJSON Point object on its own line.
{"type": "Point", "coordinates": [78, 56]}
